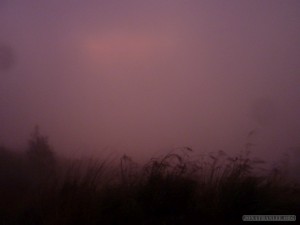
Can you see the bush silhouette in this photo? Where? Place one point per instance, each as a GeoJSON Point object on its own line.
{"type": "Point", "coordinates": [39, 187]}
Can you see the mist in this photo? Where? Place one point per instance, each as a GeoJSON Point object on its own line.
{"type": "Point", "coordinates": [145, 77]}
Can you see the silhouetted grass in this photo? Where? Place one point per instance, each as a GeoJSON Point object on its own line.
{"type": "Point", "coordinates": [37, 187]}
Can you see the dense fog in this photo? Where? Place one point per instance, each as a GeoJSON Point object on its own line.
{"type": "Point", "coordinates": [144, 77]}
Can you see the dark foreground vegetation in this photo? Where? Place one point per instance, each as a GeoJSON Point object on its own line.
{"type": "Point", "coordinates": [39, 188]}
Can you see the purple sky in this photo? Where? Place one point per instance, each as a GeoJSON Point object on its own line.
{"type": "Point", "coordinates": [145, 76]}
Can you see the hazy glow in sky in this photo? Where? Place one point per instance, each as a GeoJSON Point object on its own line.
{"type": "Point", "coordinates": [144, 76]}
{"type": "Point", "coordinates": [125, 47]}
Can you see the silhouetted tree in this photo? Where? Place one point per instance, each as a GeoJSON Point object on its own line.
{"type": "Point", "coordinates": [41, 156]}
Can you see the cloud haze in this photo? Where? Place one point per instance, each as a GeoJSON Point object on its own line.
{"type": "Point", "coordinates": [142, 76]}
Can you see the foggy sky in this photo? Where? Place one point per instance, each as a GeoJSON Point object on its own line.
{"type": "Point", "coordinates": [142, 77]}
